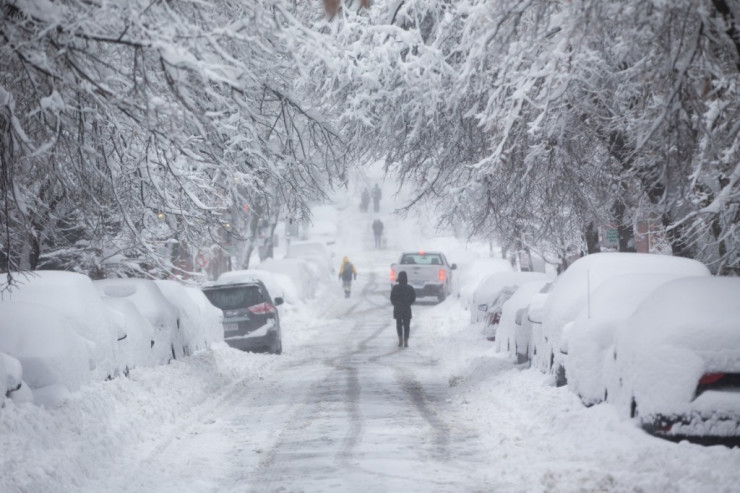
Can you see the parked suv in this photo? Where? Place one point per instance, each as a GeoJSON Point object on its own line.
{"type": "Point", "coordinates": [251, 321]}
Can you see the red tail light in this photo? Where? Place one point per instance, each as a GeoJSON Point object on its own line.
{"type": "Point", "coordinates": [262, 309]}
{"type": "Point", "coordinates": [442, 274]}
{"type": "Point", "coordinates": [393, 275]}
{"type": "Point", "coordinates": [710, 378]}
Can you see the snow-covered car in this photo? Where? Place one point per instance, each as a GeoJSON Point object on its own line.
{"type": "Point", "coordinates": [470, 273]}
{"type": "Point", "coordinates": [75, 298]}
{"type": "Point", "coordinates": [251, 321]}
{"type": "Point", "coordinates": [535, 354]}
{"type": "Point", "coordinates": [136, 334]}
{"type": "Point", "coordinates": [199, 319]}
{"type": "Point", "coordinates": [304, 282]}
{"type": "Point", "coordinates": [675, 364]}
{"type": "Point", "coordinates": [571, 291]}
{"type": "Point", "coordinates": [278, 285]}
{"type": "Point", "coordinates": [316, 254]}
{"type": "Point", "coordinates": [164, 317]}
{"type": "Point", "coordinates": [587, 338]}
{"type": "Point", "coordinates": [11, 380]}
{"type": "Point", "coordinates": [494, 290]}
{"type": "Point", "coordinates": [514, 333]}
{"type": "Point", "coordinates": [55, 360]}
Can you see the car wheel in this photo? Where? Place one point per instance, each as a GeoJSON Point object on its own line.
{"type": "Point", "coordinates": [279, 348]}
{"type": "Point", "coordinates": [441, 296]}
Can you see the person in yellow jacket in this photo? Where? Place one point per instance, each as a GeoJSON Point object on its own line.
{"type": "Point", "coordinates": [347, 273]}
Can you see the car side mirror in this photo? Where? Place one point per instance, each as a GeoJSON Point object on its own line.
{"type": "Point", "coordinates": [453, 267]}
{"type": "Point", "coordinates": [483, 307]}
{"type": "Point", "coordinates": [122, 334]}
{"type": "Point", "coordinates": [278, 301]}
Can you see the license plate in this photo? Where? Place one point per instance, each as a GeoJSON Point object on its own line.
{"type": "Point", "coordinates": [231, 327]}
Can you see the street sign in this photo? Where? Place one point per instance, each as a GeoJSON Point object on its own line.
{"type": "Point", "coordinates": [611, 237]}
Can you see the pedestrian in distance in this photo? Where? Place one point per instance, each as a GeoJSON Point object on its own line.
{"type": "Point", "coordinates": [364, 200]}
{"type": "Point", "coordinates": [376, 197]}
{"type": "Point", "coordinates": [347, 273]}
{"type": "Point", "coordinates": [402, 297]}
{"type": "Point", "coordinates": [378, 232]}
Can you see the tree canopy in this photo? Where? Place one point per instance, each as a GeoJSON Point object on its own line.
{"type": "Point", "coordinates": [129, 127]}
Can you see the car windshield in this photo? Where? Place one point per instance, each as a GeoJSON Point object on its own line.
{"type": "Point", "coordinates": [234, 297]}
{"type": "Point", "coordinates": [422, 259]}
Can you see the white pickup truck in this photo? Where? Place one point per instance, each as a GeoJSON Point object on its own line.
{"type": "Point", "coordinates": [428, 273]}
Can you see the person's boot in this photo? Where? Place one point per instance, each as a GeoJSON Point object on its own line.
{"type": "Point", "coordinates": [406, 342]}
{"type": "Point", "coordinates": [400, 341]}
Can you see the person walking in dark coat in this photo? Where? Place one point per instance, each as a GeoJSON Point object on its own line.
{"type": "Point", "coordinates": [378, 233]}
{"type": "Point", "coordinates": [376, 197]}
{"type": "Point", "coordinates": [347, 272]}
{"type": "Point", "coordinates": [402, 297]}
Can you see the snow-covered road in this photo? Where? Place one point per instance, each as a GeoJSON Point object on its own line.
{"type": "Point", "coordinates": [345, 409]}
{"type": "Point", "coordinates": [349, 408]}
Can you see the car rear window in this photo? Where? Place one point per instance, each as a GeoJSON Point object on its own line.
{"type": "Point", "coordinates": [421, 259]}
{"type": "Point", "coordinates": [235, 297]}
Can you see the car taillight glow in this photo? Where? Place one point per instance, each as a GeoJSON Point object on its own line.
{"type": "Point", "coordinates": [710, 378]}
{"type": "Point", "coordinates": [442, 274]}
{"type": "Point", "coordinates": [262, 309]}
{"type": "Point", "coordinates": [393, 275]}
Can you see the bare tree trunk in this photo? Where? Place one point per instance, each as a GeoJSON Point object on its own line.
{"type": "Point", "coordinates": [626, 232]}
{"type": "Point", "coordinates": [592, 238]}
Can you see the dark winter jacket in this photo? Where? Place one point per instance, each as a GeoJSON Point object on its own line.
{"type": "Point", "coordinates": [378, 227]}
{"type": "Point", "coordinates": [402, 297]}
{"type": "Point", "coordinates": [347, 270]}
